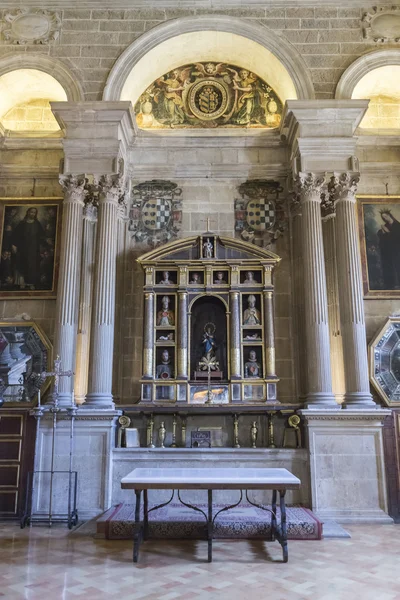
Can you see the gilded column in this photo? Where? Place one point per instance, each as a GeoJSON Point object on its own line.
{"type": "Point", "coordinates": [235, 336]}
{"type": "Point", "coordinates": [85, 301]}
{"type": "Point", "coordinates": [183, 336]}
{"type": "Point", "coordinates": [69, 279]}
{"type": "Point", "coordinates": [148, 341]}
{"type": "Point", "coordinates": [343, 188]}
{"type": "Point", "coordinates": [319, 379]}
{"type": "Point", "coordinates": [335, 334]}
{"type": "Point", "coordinates": [269, 333]}
{"type": "Point", "coordinates": [103, 315]}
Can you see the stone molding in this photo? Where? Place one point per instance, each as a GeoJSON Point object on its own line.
{"type": "Point", "coordinates": [341, 414]}
{"type": "Point", "coordinates": [31, 26]}
{"type": "Point", "coordinates": [283, 50]}
{"type": "Point", "coordinates": [52, 66]}
{"type": "Point", "coordinates": [363, 65]}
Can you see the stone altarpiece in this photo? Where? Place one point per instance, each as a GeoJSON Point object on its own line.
{"type": "Point", "coordinates": [208, 323]}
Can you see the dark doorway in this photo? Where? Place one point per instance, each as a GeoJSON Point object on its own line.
{"type": "Point", "coordinates": [208, 309]}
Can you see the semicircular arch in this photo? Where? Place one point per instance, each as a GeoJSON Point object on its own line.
{"type": "Point", "coordinates": [361, 67]}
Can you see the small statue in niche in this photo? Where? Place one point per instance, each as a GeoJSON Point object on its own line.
{"type": "Point", "coordinates": [252, 368]}
{"type": "Point", "coordinates": [251, 315]}
{"type": "Point", "coordinates": [195, 279]}
{"type": "Point", "coordinates": [164, 370]}
{"type": "Point", "coordinates": [165, 279]}
{"type": "Point", "coordinates": [208, 249]}
{"type": "Point", "coordinates": [252, 336]}
{"type": "Point", "coordinates": [209, 344]}
{"type": "Point", "coordinates": [168, 337]}
{"type": "Point", "coordinates": [249, 278]}
{"type": "Point", "coordinates": [165, 316]}
{"type": "Point", "coordinates": [219, 278]}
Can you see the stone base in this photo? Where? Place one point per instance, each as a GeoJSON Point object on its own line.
{"type": "Point", "coordinates": [347, 467]}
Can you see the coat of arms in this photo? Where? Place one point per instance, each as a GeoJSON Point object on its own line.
{"type": "Point", "coordinates": [156, 212]}
{"type": "Point", "coordinates": [260, 215]}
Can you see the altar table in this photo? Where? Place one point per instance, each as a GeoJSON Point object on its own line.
{"type": "Point", "coordinates": [277, 480]}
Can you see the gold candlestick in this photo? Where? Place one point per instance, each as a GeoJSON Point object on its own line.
{"type": "Point", "coordinates": [271, 429]}
{"type": "Point", "coordinates": [253, 433]}
{"type": "Point", "coordinates": [236, 431]}
{"type": "Point", "coordinates": [174, 445]}
{"type": "Point", "coordinates": [183, 433]}
{"type": "Point", "coordinates": [161, 434]}
{"type": "Point", "coordinates": [150, 429]}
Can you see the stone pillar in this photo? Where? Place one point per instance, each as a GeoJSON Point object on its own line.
{"type": "Point", "coordinates": [343, 189]}
{"type": "Point", "coordinates": [85, 302]}
{"type": "Point", "coordinates": [335, 335]}
{"type": "Point", "coordinates": [235, 336]}
{"type": "Point", "coordinates": [69, 279]}
{"type": "Point", "coordinates": [120, 291]}
{"type": "Point", "coordinates": [319, 379]}
{"type": "Point", "coordinates": [182, 337]}
{"type": "Point", "coordinates": [148, 341]}
{"type": "Point", "coordinates": [103, 315]}
{"type": "Point", "coordinates": [269, 342]}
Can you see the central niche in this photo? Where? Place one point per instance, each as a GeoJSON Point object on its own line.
{"type": "Point", "coordinates": [210, 95]}
{"type": "Point", "coordinates": [208, 337]}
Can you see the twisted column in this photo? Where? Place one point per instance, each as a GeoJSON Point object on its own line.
{"type": "Point", "coordinates": [103, 312]}
{"type": "Point", "coordinates": [85, 301]}
{"type": "Point", "coordinates": [69, 280]}
{"type": "Point", "coordinates": [235, 336]}
{"type": "Point", "coordinates": [343, 188]}
{"type": "Point", "coordinates": [319, 379]}
{"type": "Point", "coordinates": [183, 336]}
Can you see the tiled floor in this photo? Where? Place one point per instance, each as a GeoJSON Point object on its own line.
{"type": "Point", "coordinates": [45, 564]}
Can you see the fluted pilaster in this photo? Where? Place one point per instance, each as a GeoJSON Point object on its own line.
{"type": "Point", "coordinates": [319, 379]}
{"type": "Point", "coordinates": [69, 280]}
{"type": "Point", "coordinates": [103, 312]}
{"type": "Point", "coordinates": [183, 336]}
{"type": "Point", "coordinates": [343, 189]}
{"type": "Point", "coordinates": [235, 336]}
{"type": "Point", "coordinates": [85, 302]}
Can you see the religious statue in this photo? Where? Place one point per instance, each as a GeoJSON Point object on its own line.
{"type": "Point", "coordinates": [251, 315]}
{"type": "Point", "coordinates": [165, 316]}
{"type": "Point", "coordinates": [208, 360]}
{"type": "Point", "coordinates": [252, 368]}
{"type": "Point", "coordinates": [164, 370]}
{"type": "Point", "coordinates": [165, 279]}
{"type": "Point", "coordinates": [249, 278]}
{"type": "Point", "coordinates": [220, 279]}
{"type": "Point", "coordinates": [195, 279]}
{"type": "Point", "coordinates": [208, 249]}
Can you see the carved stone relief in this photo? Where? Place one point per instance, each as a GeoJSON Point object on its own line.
{"type": "Point", "coordinates": [31, 26]}
{"type": "Point", "coordinates": [382, 24]}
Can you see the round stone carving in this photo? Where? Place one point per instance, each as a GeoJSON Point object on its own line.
{"type": "Point", "coordinates": [386, 26]}
{"type": "Point", "coordinates": [208, 99]}
{"type": "Point", "coordinates": [30, 27]}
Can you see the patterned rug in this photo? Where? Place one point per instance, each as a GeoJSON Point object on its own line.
{"type": "Point", "coordinates": [175, 521]}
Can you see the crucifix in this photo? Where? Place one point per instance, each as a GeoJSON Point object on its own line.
{"type": "Point", "coordinates": [57, 373]}
{"type": "Point", "coordinates": [208, 220]}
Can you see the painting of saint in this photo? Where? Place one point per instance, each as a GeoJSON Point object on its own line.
{"type": "Point", "coordinates": [29, 248]}
{"type": "Point", "coordinates": [379, 221]}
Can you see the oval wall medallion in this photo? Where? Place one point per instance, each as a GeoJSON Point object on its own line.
{"type": "Point", "coordinates": [31, 26]}
{"type": "Point", "coordinates": [382, 24]}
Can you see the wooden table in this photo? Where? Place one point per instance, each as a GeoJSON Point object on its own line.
{"type": "Point", "coordinates": [277, 480]}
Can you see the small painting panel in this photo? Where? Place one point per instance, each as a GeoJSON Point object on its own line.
{"type": "Point", "coordinates": [379, 228]}
{"type": "Point", "coordinates": [199, 394]}
{"type": "Point", "coordinates": [30, 244]}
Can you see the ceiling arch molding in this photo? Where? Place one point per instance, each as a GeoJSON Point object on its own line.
{"type": "Point", "coordinates": [57, 69]}
{"type": "Point", "coordinates": [292, 66]}
{"type": "Point", "coordinates": [361, 67]}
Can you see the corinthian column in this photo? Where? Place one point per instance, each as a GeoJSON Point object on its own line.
{"type": "Point", "coordinates": [85, 301]}
{"type": "Point", "coordinates": [319, 379]}
{"type": "Point", "coordinates": [69, 279]}
{"type": "Point", "coordinates": [103, 315]}
{"type": "Point", "coordinates": [343, 188]}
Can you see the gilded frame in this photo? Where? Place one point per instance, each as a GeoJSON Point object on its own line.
{"type": "Point", "coordinates": [380, 202]}
{"type": "Point", "coordinates": [34, 202]}
{"type": "Point", "coordinates": [374, 356]}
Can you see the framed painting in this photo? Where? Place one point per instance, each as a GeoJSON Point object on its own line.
{"type": "Point", "coordinates": [30, 238]}
{"type": "Point", "coordinates": [379, 229]}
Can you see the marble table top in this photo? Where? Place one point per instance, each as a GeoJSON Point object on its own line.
{"type": "Point", "coordinates": [204, 478]}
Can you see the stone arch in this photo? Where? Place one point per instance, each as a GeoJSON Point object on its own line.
{"type": "Point", "coordinates": [292, 65]}
{"type": "Point", "coordinates": [361, 67]}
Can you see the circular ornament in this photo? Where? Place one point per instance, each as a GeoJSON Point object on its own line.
{"type": "Point", "coordinates": [208, 99]}
{"type": "Point", "coordinates": [124, 421]}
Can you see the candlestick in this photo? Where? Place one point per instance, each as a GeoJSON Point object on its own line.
{"type": "Point", "coordinates": [38, 397]}
{"type": "Point", "coordinates": [236, 431]}
{"type": "Point", "coordinates": [174, 445]}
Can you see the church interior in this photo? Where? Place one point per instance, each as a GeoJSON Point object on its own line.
{"type": "Point", "coordinates": [199, 299]}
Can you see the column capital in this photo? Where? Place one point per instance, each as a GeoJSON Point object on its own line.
{"type": "Point", "coordinates": [74, 187]}
{"type": "Point", "coordinates": [308, 186]}
{"type": "Point", "coordinates": [343, 186]}
{"type": "Point", "coordinates": [111, 188]}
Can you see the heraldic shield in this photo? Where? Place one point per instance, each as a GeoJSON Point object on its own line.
{"type": "Point", "coordinates": [261, 214]}
{"type": "Point", "coordinates": [156, 213]}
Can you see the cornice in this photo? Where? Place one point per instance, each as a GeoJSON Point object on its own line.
{"type": "Point", "coordinates": [345, 414]}
{"type": "Point", "coordinates": [182, 4]}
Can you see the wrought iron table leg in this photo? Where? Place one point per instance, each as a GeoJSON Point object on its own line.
{"type": "Point", "coordinates": [273, 515]}
{"type": "Point", "coordinates": [283, 526]}
{"type": "Point", "coordinates": [137, 528]}
{"type": "Point", "coordinates": [145, 516]}
{"type": "Point", "coordinates": [210, 526]}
